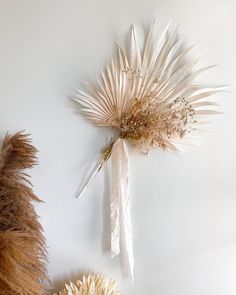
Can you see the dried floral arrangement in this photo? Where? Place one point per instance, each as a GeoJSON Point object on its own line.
{"type": "Point", "coordinates": [149, 98]}
{"type": "Point", "coordinates": [91, 284]}
{"type": "Point", "coordinates": [22, 246]}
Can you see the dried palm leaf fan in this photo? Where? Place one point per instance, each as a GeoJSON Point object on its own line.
{"type": "Point", "coordinates": [150, 99]}
{"type": "Point", "coordinates": [91, 285]}
{"type": "Point", "coordinates": [22, 248]}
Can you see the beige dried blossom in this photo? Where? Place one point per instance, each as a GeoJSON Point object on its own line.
{"type": "Point", "coordinates": [91, 285]}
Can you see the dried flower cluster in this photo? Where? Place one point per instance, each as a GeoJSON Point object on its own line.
{"type": "Point", "coordinates": [148, 95]}
{"type": "Point", "coordinates": [22, 248]}
{"type": "Point", "coordinates": [91, 285]}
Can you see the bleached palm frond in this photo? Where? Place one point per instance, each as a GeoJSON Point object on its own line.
{"type": "Point", "coordinates": [148, 95]}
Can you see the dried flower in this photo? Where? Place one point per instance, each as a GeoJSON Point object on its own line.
{"type": "Point", "coordinates": [91, 285]}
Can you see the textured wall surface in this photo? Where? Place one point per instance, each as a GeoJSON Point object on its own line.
{"type": "Point", "coordinates": [183, 205]}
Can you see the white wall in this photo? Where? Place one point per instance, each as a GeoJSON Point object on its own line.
{"type": "Point", "coordinates": [184, 206]}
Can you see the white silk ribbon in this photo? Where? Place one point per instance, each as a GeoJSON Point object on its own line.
{"type": "Point", "coordinates": [120, 205]}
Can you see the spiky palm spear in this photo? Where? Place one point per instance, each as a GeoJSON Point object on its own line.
{"type": "Point", "coordinates": [22, 248]}
{"type": "Point", "coordinates": [148, 96]}
{"type": "Point", "coordinates": [91, 285]}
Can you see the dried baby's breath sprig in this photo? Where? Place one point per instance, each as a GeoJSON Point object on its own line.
{"type": "Point", "coordinates": [91, 285]}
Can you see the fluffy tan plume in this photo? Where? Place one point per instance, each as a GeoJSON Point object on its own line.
{"type": "Point", "coordinates": [22, 247]}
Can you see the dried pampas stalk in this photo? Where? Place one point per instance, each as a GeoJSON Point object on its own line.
{"type": "Point", "coordinates": [149, 97]}
{"type": "Point", "coordinates": [91, 285]}
{"type": "Point", "coordinates": [22, 246]}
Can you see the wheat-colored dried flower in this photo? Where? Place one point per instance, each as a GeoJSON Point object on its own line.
{"type": "Point", "coordinates": [149, 95]}
{"type": "Point", "coordinates": [91, 285]}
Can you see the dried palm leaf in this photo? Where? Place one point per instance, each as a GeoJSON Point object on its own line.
{"type": "Point", "coordinates": [149, 98]}
{"type": "Point", "coordinates": [22, 247]}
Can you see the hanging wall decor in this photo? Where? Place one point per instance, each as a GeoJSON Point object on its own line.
{"type": "Point", "coordinates": [22, 247]}
{"type": "Point", "coordinates": [149, 98]}
{"type": "Point", "coordinates": [91, 284]}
